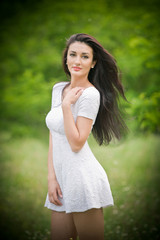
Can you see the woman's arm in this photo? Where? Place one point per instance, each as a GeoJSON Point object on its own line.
{"type": "Point", "coordinates": [51, 172]}
{"type": "Point", "coordinates": [53, 187]}
{"type": "Point", "coordinates": [76, 133]}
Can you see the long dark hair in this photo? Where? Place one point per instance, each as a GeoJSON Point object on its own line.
{"type": "Point", "coordinates": [105, 77]}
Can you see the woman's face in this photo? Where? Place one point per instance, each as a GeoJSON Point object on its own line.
{"type": "Point", "coordinates": [80, 59]}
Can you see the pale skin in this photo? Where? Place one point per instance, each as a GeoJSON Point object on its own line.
{"type": "Point", "coordinates": [88, 225]}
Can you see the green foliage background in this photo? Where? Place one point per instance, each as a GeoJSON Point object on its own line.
{"type": "Point", "coordinates": [32, 37]}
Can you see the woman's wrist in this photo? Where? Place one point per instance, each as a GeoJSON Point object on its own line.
{"type": "Point", "coordinates": [66, 104]}
{"type": "Point", "coordinates": [52, 178]}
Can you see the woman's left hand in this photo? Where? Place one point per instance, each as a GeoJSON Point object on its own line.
{"type": "Point", "coordinates": [73, 95]}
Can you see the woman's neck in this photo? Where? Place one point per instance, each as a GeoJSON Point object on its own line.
{"type": "Point", "coordinates": [79, 82]}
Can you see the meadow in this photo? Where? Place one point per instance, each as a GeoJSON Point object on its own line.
{"type": "Point", "coordinates": [132, 166]}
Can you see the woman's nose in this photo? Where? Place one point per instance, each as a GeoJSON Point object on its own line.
{"type": "Point", "coordinates": [77, 60]}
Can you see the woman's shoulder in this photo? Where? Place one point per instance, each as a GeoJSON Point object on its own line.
{"type": "Point", "coordinates": [89, 97]}
{"type": "Point", "coordinates": [91, 92]}
{"type": "Point", "coordinates": [59, 85]}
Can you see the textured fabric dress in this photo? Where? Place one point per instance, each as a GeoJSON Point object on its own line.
{"type": "Point", "coordinates": [83, 181]}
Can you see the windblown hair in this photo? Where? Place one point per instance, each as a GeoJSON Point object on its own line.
{"type": "Point", "coordinates": [105, 77]}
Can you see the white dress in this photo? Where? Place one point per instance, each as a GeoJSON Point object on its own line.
{"type": "Point", "coordinates": [83, 181]}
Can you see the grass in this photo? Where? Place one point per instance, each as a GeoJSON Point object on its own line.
{"type": "Point", "coordinates": [133, 170]}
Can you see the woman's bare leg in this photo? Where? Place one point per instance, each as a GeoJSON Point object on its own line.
{"type": "Point", "coordinates": [90, 224]}
{"type": "Point", "coordinates": [62, 226]}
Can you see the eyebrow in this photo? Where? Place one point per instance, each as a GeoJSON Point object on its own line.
{"type": "Point", "coordinates": [82, 52]}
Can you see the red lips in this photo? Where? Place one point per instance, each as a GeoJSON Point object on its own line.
{"type": "Point", "coordinates": [77, 68]}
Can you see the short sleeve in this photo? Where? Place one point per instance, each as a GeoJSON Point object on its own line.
{"type": "Point", "coordinates": [89, 103]}
{"type": "Point", "coordinates": [56, 94]}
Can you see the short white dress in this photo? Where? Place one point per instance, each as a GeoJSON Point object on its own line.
{"type": "Point", "coordinates": [83, 181]}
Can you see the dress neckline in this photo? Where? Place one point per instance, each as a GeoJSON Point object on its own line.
{"type": "Point", "coordinates": [63, 87]}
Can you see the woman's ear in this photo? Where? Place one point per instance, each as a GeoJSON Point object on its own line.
{"type": "Point", "coordinates": [93, 64]}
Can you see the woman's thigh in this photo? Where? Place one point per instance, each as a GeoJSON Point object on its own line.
{"type": "Point", "coordinates": [62, 226]}
{"type": "Point", "coordinates": [90, 224]}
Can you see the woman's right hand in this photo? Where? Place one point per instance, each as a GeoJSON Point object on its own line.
{"type": "Point", "coordinates": [72, 95]}
{"type": "Point", "coordinates": [54, 191]}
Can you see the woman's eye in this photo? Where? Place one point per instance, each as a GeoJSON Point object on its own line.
{"type": "Point", "coordinates": [85, 57]}
{"type": "Point", "coordinates": [72, 54]}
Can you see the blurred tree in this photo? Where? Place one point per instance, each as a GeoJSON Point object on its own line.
{"type": "Point", "coordinates": [33, 35]}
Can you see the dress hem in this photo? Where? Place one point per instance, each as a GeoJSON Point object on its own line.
{"type": "Point", "coordinates": [79, 210]}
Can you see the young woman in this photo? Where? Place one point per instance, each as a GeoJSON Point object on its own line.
{"type": "Point", "coordinates": [78, 186]}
